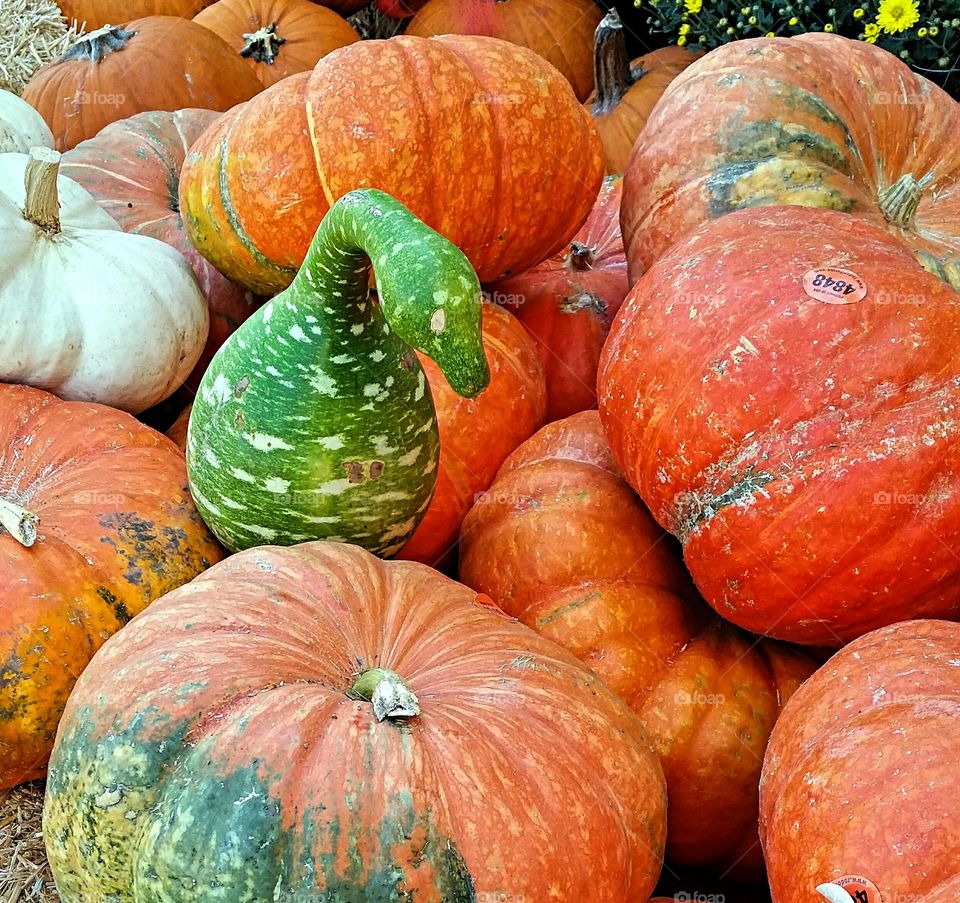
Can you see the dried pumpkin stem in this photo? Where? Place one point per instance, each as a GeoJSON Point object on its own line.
{"type": "Point", "coordinates": [900, 200]}
{"type": "Point", "coordinates": [263, 45]}
{"type": "Point", "coordinates": [42, 205]}
{"type": "Point", "coordinates": [389, 693]}
{"type": "Point", "coordinates": [581, 256]}
{"type": "Point", "coordinates": [99, 44]}
{"type": "Point", "coordinates": [611, 64]}
{"type": "Point", "coordinates": [18, 522]}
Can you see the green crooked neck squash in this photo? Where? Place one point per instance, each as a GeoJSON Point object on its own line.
{"type": "Point", "coordinates": [315, 419]}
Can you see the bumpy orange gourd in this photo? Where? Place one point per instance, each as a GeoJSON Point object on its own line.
{"type": "Point", "coordinates": [568, 302]}
{"type": "Point", "coordinates": [153, 63]}
{"type": "Point", "coordinates": [626, 92]}
{"type": "Point", "coordinates": [477, 434]}
{"type": "Point", "coordinates": [438, 124]}
{"type": "Point", "coordinates": [117, 529]}
{"type": "Point", "coordinates": [562, 543]}
{"type": "Point", "coordinates": [277, 37]}
{"type": "Point", "coordinates": [334, 726]}
{"type": "Point", "coordinates": [860, 775]}
{"type": "Point", "coordinates": [561, 31]}
{"type": "Point", "coordinates": [132, 169]}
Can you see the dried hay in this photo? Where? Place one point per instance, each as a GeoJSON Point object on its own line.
{"type": "Point", "coordinates": [24, 874]}
{"type": "Point", "coordinates": [32, 32]}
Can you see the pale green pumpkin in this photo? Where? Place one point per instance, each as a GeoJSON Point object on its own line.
{"type": "Point", "coordinates": [315, 419]}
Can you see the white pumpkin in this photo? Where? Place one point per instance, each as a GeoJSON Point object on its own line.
{"type": "Point", "coordinates": [90, 313]}
{"type": "Point", "coordinates": [21, 126]}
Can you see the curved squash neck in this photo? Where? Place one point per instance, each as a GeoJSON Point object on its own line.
{"type": "Point", "coordinates": [611, 64]}
{"type": "Point", "coordinates": [429, 295]}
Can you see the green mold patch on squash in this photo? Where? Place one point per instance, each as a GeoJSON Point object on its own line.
{"type": "Point", "coordinates": [116, 605]}
{"type": "Point", "coordinates": [695, 509]}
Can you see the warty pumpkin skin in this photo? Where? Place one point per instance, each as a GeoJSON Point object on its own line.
{"type": "Point", "coordinates": [90, 313]}
{"type": "Point", "coordinates": [860, 775]}
{"type": "Point", "coordinates": [21, 126]}
{"type": "Point", "coordinates": [132, 168]}
{"type": "Point", "coordinates": [626, 92]}
{"type": "Point", "coordinates": [561, 542]}
{"type": "Point", "coordinates": [561, 31]}
{"type": "Point", "coordinates": [505, 126]}
{"type": "Point", "coordinates": [116, 530]}
{"type": "Point", "coordinates": [568, 302]}
{"type": "Point", "coordinates": [234, 735]}
{"type": "Point", "coordinates": [277, 37]}
{"type": "Point", "coordinates": [804, 452]}
{"type": "Point", "coordinates": [97, 13]}
{"type": "Point", "coordinates": [817, 120]}
{"type": "Point", "coordinates": [153, 63]}
{"type": "Point", "coordinates": [477, 434]}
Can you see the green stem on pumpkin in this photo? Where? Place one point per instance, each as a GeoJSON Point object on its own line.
{"type": "Point", "coordinates": [899, 201]}
{"type": "Point", "coordinates": [389, 693]}
{"type": "Point", "coordinates": [611, 64]}
{"type": "Point", "coordinates": [18, 522]}
{"type": "Point", "coordinates": [263, 45]}
{"type": "Point", "coordinates": [42, 203]}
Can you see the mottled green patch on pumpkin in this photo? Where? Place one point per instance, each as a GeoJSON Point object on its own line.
{"type": "Point", "coordinates": [213, 838]}
{"type": "Point", "coordinates": [117, 606]}
{"type": "Point", "coordinates": [101, 788]}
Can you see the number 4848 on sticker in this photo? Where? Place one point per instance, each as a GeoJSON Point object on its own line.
{"type": "Point", "coordinates": [834, 286]}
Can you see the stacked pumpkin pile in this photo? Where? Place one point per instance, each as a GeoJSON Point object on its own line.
{"type": "Point", "coordinates": [657, 358]}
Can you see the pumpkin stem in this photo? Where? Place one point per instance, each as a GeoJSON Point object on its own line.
{"type": "Point", "coordinates": [611, 65]}
{"type": "Point", "coordinates": [373, 25]}
{"type": "Point", "coordinates": [581, 256]}
{"type": "Point", "coordinates": [444, 323]}
{"type": "Point", "coordinates": [900, 200]}
{"type": "Point", "coordinates": [18, 522]}
{"type": "Point", "coordinates": [99, 44]}
{"type": "Point", "coordinates": [575, 303]}
{"type": "Point", "coordinates": [389, 693]}
{"type": "Point", "coordinates": [42, 205]}
{"type": "Point", "coordinates": [263, 45]}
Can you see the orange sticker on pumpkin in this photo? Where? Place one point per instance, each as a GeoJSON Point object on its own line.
{"type": "Point", "coordinates": [834, 286]}
{"type": "Point", "coordinates": [860, 889]}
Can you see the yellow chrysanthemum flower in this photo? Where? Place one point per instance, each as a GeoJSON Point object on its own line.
{"type": "Point", "coordinates": [871, 29]}
{"type": "Point", "coordinates": [828, 27]}
{"type": "Point", "coordinates": [770, 34]}
{"type": "Point", "coordinates": [934, 31]}
{"type": "Point", "coordinates": [897, 15]}
{"type": "Point", "coordinates": [693, 6]}
{"type": "Point", "coordinates": [921, 32]}
{"type": "Point", "coordinates": [859, 13]}
{"type": "Point", "coordinates": [681, 41]}
{"type": "Point", "coordinates": [794, 21]}
{"type": "Point", "coordinates": [871, 39]}
{"type": "Point", "coordinates": [684, 29]}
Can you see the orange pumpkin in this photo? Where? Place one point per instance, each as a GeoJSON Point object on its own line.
{"type": "Point", "coordinates": [154, 63]}
{"type": "Point", "coordinates": [129, 168]}
{"type": "Point", "coordinates": [505, 127]}
{"type": "Point", "coordinates": [277, 37]}
{"type": "Point", "coordinates": [625, 93]}
{"type": "Point", "coordinates": [561, 31]}
{"type": "Point", "coordinates": [860, 775]}
{"type": "Point", "coordinates": [313, 722]}
{"type": "Point", "coordinates": [562, 543]}
{"type": "Point", "coordinates": [568, 302]}
{"type": "Point", "coordinates": [477, 434]}
{"type": "Point", "coordinates": [97, 13]}
{"type": "Point", "coordinates": [97, 523]}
